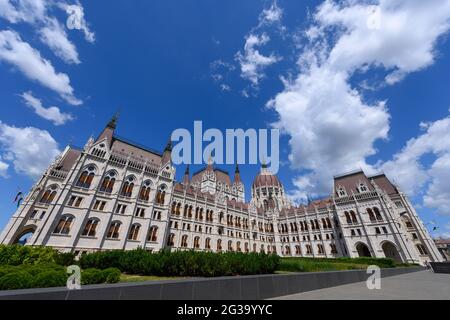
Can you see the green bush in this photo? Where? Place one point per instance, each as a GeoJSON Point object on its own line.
{"type": "Point", "coordinates": [50, 278]}
{"type": "Point", "coordinates": [111, 275]}
{"type": "Point", "coordinates": [182, 263]}
{"type": "Point", "coordinates": [65, 259]}
{"type": "Point", "coordinates": [35, 270]}
{"type": "Point", "coordinates": [16, 280]}
{"type": "Point", "coordinates": [16, 255]}
{"type": "Point", "coordinates": [4, 270]}
{"type": "Point", "coordinates": [92, 276]}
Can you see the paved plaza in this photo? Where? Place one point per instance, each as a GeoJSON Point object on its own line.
{"type": "Point", "coordinates": [423, 285]}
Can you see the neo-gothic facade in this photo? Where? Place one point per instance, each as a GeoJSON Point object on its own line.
{"type": "Point", "coordinates": [114, 194]}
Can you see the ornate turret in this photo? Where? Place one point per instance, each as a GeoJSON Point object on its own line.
{"type": "Point", "coordinates": [108, 132]}
{"type": "Point", "coordinates": [186, 179]}
{"type": "Point", "coordinates": [237, 175]}
{"type": "Point", "coordinates": [167, 154]}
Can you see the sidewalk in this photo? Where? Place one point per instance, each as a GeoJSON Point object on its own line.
{"type": "Point", "coordinates": [423, 285]}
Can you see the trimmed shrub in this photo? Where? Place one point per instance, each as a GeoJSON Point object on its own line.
{"type": "Point", "coordinates": [182, 263]}
{"type": "Point", "coordinates": [16, 255]}
{"type": "Point", "coordinates": [111, 275]}
{"type": "Point", "coordinates": [65, 259]}
{"type": "Point", "coordinates": [92, 276]}
{"type": "Point", "coordinates": [50, 278]}
{"type": "Point", "coordinates": [4, 270]}
{"type": "Point", "coordinates": [35, 270]}
{"type": "Point", "coordinates": [16, 280]}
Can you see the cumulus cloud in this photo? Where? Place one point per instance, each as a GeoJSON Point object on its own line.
{"type": "Point", "coordinates": [54, 35]}
{"type": "Point", "coordinates": [3, 168]}
{"type": "Point", "coordinates": [252, 62]}
{"type": "Point", "coordinates": [29, 150]}
{"type": "Point", "coordinates": [51, 32]}
{"type": "Point", "coordinates": [52, 114]}
{"type": "Point", "coordinates": [413, 176]}
{"type": "Point", "coordinates": [28, 60]}
{"type": "Point", "coordinates": [30, 11]}
{"type": "Point", "coordinates": [333, 128]}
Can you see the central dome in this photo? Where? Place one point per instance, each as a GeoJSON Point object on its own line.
{"type": "Point", "coordinates": [266, 179]}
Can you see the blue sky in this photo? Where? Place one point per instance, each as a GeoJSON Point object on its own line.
{"type": "Point", "coordinates": [352, 84]}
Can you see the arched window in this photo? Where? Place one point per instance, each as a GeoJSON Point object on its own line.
{"type": "Point", "coordinates": [219, 245]}
{"type": "Point", "coordinates": [197, 242]}
{"type": "Point", "coordinates": [329, 223]}
{"type": "Point", "coordinates": [153, 234]}
{"type": "Point", "coordinates": [113, 231]}
{"type": "Point", "coordinates": [378, 214]}
{"type": "Point", "coordinates": [127, 187]}
{"type": "Point", "coordinates": [422, 250]}
{"type": "Point", "coordinates": [171, 240]}
{"type": "Point", "coordinates": [90, 229]}
{"type": "Point", "coordinates": [371, 215]}
{"type": "Point", "coordinates": [144, 193]}
{"type": "Point", "coordinates": [254, 247]}
{"type": "Point", "coordinates": [308, 249]}
{"type": "Point", "coordinates": [184, 241]}
{"type": "Point", "coordinates": [208, 243]}
{"type": "Point", "coordinates": [341, 192]}
{"type": "Point", "coordinates": [86, 177]}
{"type": "Point", "coordinates": [161, 194]}
{"type": "Point", "coordinates": [64, 225]}
{"type": "Point", "coordinates": [178, 211]}
{"type": "Point", "coordinates": [238, 246]}
{"type": "Point", "coordinates": [333, 248]}
{"type": "Point", "coordinates": [134, 232]}
{"type": "Point", "coordinates": [362, 187]}
{"type": "Point", "coordinates": [408, 223]}
{"type": "Point", "coordinates": [49, 195]}
{"type": "Point", "coordinates": [108, 182]}
{"type": "Point", "coordinates": [353, 215]}
{"type": "Point", "coordinates": [320, 249]}
{"type": "Point", "coordinates": [246, 248]}
{"type": "Point", "coordinates": [230, 245]}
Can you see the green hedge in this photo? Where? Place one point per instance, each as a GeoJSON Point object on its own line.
{"type": "Point", "coordinates": [182, 263]}
{"type": "Point", "coordinates": [16, 255]}
{"type": "Point", "coordinates": [50, 275]}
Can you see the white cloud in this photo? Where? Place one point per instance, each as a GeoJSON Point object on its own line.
{"type": "Point", "coordinates": [29, 149]}
{"type": "Point", "coordinates": [52, 114]}
{"type": "Point", "coordinates": [76, 21]}
{"type": "Point", "coordinates": [271, 15]}
{"type": "Point", "coordinates": [332, 128]}
{"type": "Point", "coordinates": [51, 32]}
{"type": "Point", "coordinates": [30, 11]}
{"type": "Point", "coordinates": [28, 60]}
{"type": "Point", "coordinates": [252, 62]}
{"type": "Point", "coordinates": [3, 168]}
{"type": "Point", "coordinates": [54, 35]}
{"type": "Point", "coordinates": [412, 175]}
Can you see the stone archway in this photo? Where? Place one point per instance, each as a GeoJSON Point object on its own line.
{"type": "Point", "coordinates": [390, 251]}
{"type": "Point", "coordinates": [23, 237]}
{"type": "Point", "coordinates": [363, 250]}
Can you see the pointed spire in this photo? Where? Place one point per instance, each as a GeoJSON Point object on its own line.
{"type": "Point", "coordinates": [237, 175]}
{"type": "Point", "coordinates": [186, 179]}
{"type": "Point", "coordinates": [108, 132]}
{"type": "Point", "coordinates": [167, 155]}
{"type": "Point", "coordinates": [113, 122]}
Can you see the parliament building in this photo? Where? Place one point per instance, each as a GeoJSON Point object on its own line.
{"type": "Point", "coordinates": [114, 194]}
